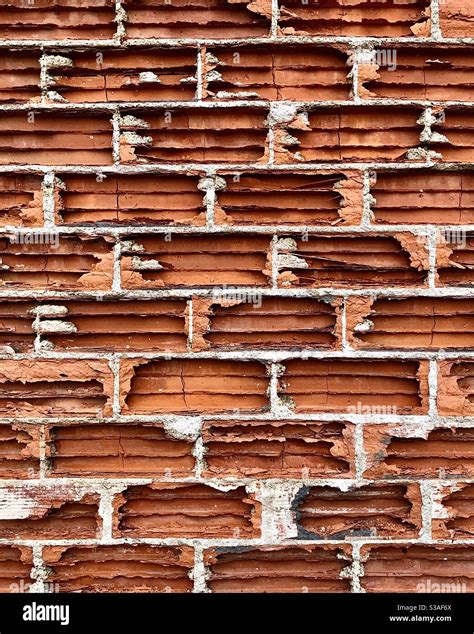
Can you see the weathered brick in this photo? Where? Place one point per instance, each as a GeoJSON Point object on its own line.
{"type": "Point", "coordinates": [57, 20]}
{"type": "Point", "coordinates": [285, 449]}
{"type": "Point", "coordinates": [416, 323]}
{"type": "Point", "coordinates": [263, 323]}
{"type": "Point", "coordinates": [131, 75]}
{"type": "Point", "coordinates": [418, 197]}
{"type": "Point", "coordinates": [385, 18]}
{"type": "Point", "coordinates": [115, 325]}
{"type": "Point", "coordinates": [186, 510]}
{"type": "Point", "coordinates": [439, 73]}
{"type": "Point", "coordinates": [300, 73]}
{"type": "Point", "coordinates": [190, 386]}
{"type": "Point", "coordinates": [205, 135]}
{"type": "Point", "coordinates": [21, 200]}
{"type": "Point", "coordinates": [456, 18]}
{"type": "Point", "coordinates": [42, 513]}
{"type": "Point", "coordinates": [209, 18]}
{"type": "Point", "coordinates": [109, 451]}
{"type": "Point", "coordinates": [130, 199]}
{"type": "Point", "coordinates": [278, 569]}
{"type": "Point", "coordinates": [393, 451]}
{"type": "Point", "coordinates": [176, 260]}
{"type": "Point", "coordinates": [51, 388]}
{"type": "Point", "coordinates": [355, 260]}
{"type": "Point", "coordinates": [52, 261]}
{"type": "Point", "coordinates": [456, 387]}
{"type": "Point", "coordinates": [390, 511]}
{"type": "Point", "coordinates": [356, 386]}
{"type": "Point", "coordinates": [291, 199]}
{"type": "Point", "coordinates": [15, 568]}
{"type": "Point", "coordinates": [43, 138]}
{"type": "Point", "coordinates": [128, 568]}
{"type": "Point", "coordinates": [456, 521]}
{"type": "Point", "coordinates": [411, 568]}
{"type": "Point", "coordinates": [19, 451]}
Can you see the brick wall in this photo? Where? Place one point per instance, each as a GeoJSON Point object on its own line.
{"type": "Point", "coordinates": [236, 282]}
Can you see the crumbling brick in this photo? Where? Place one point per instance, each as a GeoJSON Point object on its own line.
{"type": "Point", "coordinates": [189, 386]}
{"type": "Point", "coordinates": [186, 510]}
{"type": "Point", "coordinates": [278, 569]}
{"type": "Point", "coordinates": [411, 568]}
{"type": "Point", "coordinates": [117, 568]}
{"type": "Point", "coordinates": [110, 451]}
{"type": "Point", "coordinates": [289, 449]}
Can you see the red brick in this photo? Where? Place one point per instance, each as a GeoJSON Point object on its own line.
{"type": "Point", "coordinates": [186, 510]}
{"type": "Point", "coordinates": [128, 568]}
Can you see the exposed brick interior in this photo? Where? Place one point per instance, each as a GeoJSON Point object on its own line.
{"type": "Point", "coordinates": [236, 295]}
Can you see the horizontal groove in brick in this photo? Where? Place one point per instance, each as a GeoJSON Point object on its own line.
{"type": "Point", "coordinates": [119, 568]}
{"type": "Point", "coordinates": [267, 449]}
{"type": "Point", "coordinates": [189, 386]}
{"type": "Point", "coordinates": [383, 511]}
{"type": "Point", "coordinates": [278, 569]}
{"type": "Point", "coordinates": [348, 386]}
{"type": "Point", "coordinates": [186, 510]}
{"type": "Point", "coordinates": [300, 73]}
{"type": "Point", "coordinates": [112, 451]}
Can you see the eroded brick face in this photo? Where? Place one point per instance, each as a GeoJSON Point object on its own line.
{"type": "Point", "coordinates": [236, 296]}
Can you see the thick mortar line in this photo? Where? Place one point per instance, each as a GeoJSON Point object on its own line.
{"type": "Point", "coordinates": [237, 104]}
{"type": "Point", "coordinates": [433, 387]}
{"type": "Point", "coordinates": [201, 51]}
{"type": "Point", "coordinates": [436, 33]}
{"type": "Point", "coordinates": [426, 489]}
{"type": "Point", "coordinates": [432, 236]}
{"type": "Point", "coordinates": [274, 20]}
{"type": "Point", "coordinates": [352, 41]}
{"type": "Point", "coordinates": [199, 573]}
{"type": "Point", "coordinates": [117, 269]}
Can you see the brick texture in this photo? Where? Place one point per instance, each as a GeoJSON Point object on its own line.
{"type": "Point", "coordinates": [236, 296]}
